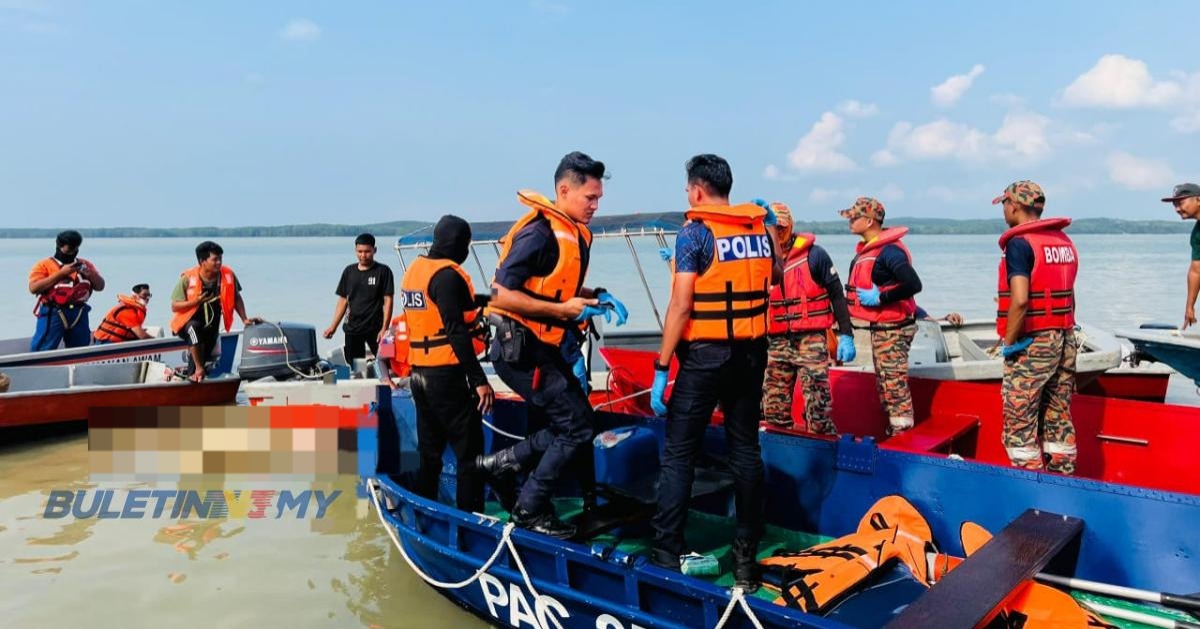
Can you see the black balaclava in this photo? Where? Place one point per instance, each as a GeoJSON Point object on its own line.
{"type": "Point", "coordinates": [64, 258]}
{"type": "Point", "coordinates": [451, 239]}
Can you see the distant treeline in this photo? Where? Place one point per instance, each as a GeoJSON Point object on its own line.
{"type": "Point", "coordinates": [418, 230]}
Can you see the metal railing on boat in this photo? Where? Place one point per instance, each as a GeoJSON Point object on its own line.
{"type": "Point", "coordinates": [658, 235]}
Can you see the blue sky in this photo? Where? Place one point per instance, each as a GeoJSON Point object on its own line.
{"type": "Point", "coordinates": [237, 113]}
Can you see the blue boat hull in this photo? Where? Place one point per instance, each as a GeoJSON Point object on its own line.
{"type": "Point", "coordinates": [1132, 537]}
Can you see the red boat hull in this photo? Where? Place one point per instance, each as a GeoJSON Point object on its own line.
{"type": "Point", "coordinates": [49, 407]}
{"type": "Point", "coordinates": [1131, 442]}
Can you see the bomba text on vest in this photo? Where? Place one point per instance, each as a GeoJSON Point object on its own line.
{"type": "Point", "coordinates": [1062, 254]}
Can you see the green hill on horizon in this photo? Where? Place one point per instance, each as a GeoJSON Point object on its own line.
{"type": "Point", "coordinates": [416, 230]}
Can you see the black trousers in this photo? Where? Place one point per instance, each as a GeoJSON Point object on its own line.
{"type": "Point", "coordinates": [204, 336]}
{"type": "Point", "coordinates": [356, 345]}
{"type": "Point", "coordinates": [732, 374]}
{"type": "Point", "coordinates": [448, 414]}
{"type": "Point", "coordinates": [553, 393]}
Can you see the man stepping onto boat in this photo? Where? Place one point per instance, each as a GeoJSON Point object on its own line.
{"type": "Point", "coordinates": [803, 308]}
{"type": "Point", "coordinates": [63, 284]}
{"type": "Point", "coordinates": [206, 295]}
{"type": "Point", "coordinates": [1186, 199]}
{"type": "Point", "coordinates": [1035, 318]}
{"type": "Point", "coordinates": [716, 325]}
{"type": "Point", "coordinates": [537, 298]}
{"type": "Point", "coordinates": [124, 321]}
{"type": "Point", "coordinates": [365, 300]}
{"type": "Point", "coordinates": [880, 292]}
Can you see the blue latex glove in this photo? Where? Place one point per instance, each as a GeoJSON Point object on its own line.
{"type": "Point", "coordinates": [612, 303]}
{"type": "Point", "coordinates": [868, 296]}
{"type": "Point", "coordinates": [595, 311]}
{"type": "Point", "coordinates": [771, 220]}
{"type": "Point", "coordinates": [581, 371]}
{"type": "Point", "coordinates": [1016, 348]}
{"type": "Point", "coordinates": [845, 348]}
{"type": "Point", "coordinates": [666, 253]}
{"type": "Point", "coordinates": [658, 392]}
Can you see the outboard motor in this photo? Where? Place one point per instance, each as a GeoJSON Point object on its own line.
{"type": "Point", "coordinates": [280, 350]}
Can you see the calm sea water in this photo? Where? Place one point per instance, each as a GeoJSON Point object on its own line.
{"type": "Point", "coordinates": [339, 571]}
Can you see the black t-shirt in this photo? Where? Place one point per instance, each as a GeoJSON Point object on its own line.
{"type": "Point", "coordinates": [364, 292]}
{"type": "Point", "coordinates": [892, 267]}
{"type": "Point", "coordinates": [1018, 258]}
{"type": "Point", "coordinates": [449, 293]}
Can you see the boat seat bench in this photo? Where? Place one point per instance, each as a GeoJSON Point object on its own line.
{"type": "Point", "coordinates": [934, 434]}
{"type": "Point", "coordinates": [970, 594]}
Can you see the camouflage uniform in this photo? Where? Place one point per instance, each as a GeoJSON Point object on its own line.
{"type": "Point", "coordinates": [1037, 389]}
{"type": "Point", "coordinates": [889, 349]}
{"type": "Point", "coordinates": [805, 354]}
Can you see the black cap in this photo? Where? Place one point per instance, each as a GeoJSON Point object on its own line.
{"type": "Point", "coordinates": [1183, 191]}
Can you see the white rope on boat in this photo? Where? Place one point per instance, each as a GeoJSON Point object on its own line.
{"type": "Point", "coordinates": [738, 597]}
{"type": "Point", "coordinates": [501, 432]}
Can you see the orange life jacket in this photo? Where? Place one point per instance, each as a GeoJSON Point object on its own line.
{"type": "Point", "coordinates": [893, 530]}
{"type": "Point", "coordinates": [860, 277]}
{"type": "Point", "coordinates": [730, 302]}
{"type": "Point", "coordinates": [71, 291]}
{"type": "Point", "coordinates": [799, 303]}
{"type": "Point", "coordinates": [1052, 282]}
{"type": "Point", "coordinates": [394, 346]}
{"type": "Point", "coordinates": [195, 288]}
{"type": "Point", "coordinates": [565, 280]}
{"type": "Point", "coordinates": [430, 347]}
{"type": "Point", "coordinates": [119, 323]}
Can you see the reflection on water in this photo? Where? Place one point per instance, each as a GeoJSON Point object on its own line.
{"type": "Point", "coordinates": [339, 571]}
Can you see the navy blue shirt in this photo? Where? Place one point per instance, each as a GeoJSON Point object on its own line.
{"type": "Point", "coordinates": [1018, 257]}
{"type": "Point", "coordinates": [694, 248]}
{"type": "Point", "coordinates": [534, 253]}
{"type": "Point", "coordinates": [892, 267]}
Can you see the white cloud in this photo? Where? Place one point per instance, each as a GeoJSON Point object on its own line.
{"type": "Point", "coordinates": [856, 109]}
{"type": "Point", "coordinates": [1187, 123]}
{"type": "Point", "coordinates": [300, 30]}
{"type": "Point", "coordinates": [884, 158]}
{"type": "Point", "coordinates": [939, 139]}
{"type": "Point", "coordinates": [1024, 134]}
{"type": "Point", "coordinates": [1137, 173]}
{"type": "Point", "coordinates": [817, 151]}
{"type": "Point", "coordinates": [952, 89]}
{"type": "Point", "coordinates": [1117, 81]}
{"type": "Point", "coordinates": [773, 173]}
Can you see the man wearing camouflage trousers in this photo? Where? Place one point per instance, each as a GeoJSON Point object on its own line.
{"type": "Point", "coordinates": [1036, 320]}
{"type": "Point", "coordinates": [803, 307]}
{"type": "Point", "coordinates": [880, 293]}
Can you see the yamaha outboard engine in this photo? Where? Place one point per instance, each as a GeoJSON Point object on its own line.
{"type": "Point", "coordinates": [280, 350]}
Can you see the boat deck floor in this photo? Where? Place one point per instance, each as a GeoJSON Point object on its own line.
{"type": "Point", "coordinates": [709, 534]}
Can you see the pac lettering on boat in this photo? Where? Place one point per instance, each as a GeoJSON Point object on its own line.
{"type": "Point", "coordinates": [413, 299]}
{"type": "Point", "coordinates": [746, 247]}
{"type": "Point", "coordinates": [1059, 254]}
{"type": "Point", "coordinates": [509, 603]}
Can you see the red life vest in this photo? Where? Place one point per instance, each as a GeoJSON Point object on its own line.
{"type": "Point", "coordinates": [119, 323]}
{"type": "Point", "coordinates": [73, 290]}
{"type": "Point", "coordinates": [860, 277]}
{"type": "Point", "coordinates": [1052, 282]}
{"type": "Point", "coordinates": [799, 303]}
{"type": "Point", "coordinates": [195, 288]}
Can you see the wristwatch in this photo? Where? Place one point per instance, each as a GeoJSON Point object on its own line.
{"type": "Point", "coordinates": [658, 367]}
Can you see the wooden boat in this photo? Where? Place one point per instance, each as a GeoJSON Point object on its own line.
{"type": "Point", "coordinates": [1120, 441]}
{"type": "Point", "coordinates": [170, 350]}
{"type": "Point", "coordinates": [63, 393]}
{"type": "Point", "coordinates": [818, 489]}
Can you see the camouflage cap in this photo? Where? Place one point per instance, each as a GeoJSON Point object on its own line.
{"type": "Point", "coordinates": [783, 214]}
{"type": "Point", "coordinates": [1024, 192]}
{"type": "Point", "coordinates": [864, 206]}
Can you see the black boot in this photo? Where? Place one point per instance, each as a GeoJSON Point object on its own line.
{"type": "Point", "coordinates": [664, 559]}
{"type": "Point", "coordinates": [745, 565]}
{"type": "Point", "coordinates": [544, 523]}
{"type": "Point", "coordinates": [499, 463]}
